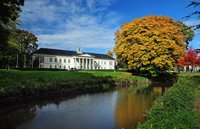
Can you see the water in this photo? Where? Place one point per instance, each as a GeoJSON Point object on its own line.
{"type": "Point", "coordinates": [122, 108]}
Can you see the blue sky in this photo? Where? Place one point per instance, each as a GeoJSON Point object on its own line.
{"type": "Point", "coordinates": [91, 24]}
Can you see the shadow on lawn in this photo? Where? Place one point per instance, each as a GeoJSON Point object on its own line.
{"type": "Point", "coordinates": [167, 78]}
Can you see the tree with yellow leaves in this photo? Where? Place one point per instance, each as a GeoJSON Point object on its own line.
{"type": "Point", "coordinates": [110, 53]}
{"type": "Point", "coordinates": [150, 44]}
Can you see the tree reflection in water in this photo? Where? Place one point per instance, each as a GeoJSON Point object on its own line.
{"type": "Point", "coordinates": [132, 105]}
{"type": "Point", "coordinates": [122, 108]}
{"type": "Point", "coordinates": [16, 117]}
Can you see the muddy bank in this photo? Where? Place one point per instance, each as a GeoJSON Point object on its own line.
{"type": "Point", "coordinates": [63, 89]}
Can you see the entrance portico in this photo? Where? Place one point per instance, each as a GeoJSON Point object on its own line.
{"type": "Point", "coordinates": [84, 61]}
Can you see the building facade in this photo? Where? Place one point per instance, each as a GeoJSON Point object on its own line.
{"type": "Point", "coordinates": [63, 59]}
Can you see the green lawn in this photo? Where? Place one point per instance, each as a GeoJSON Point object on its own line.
{"type": "Point", "coordinates": [15, 79]}
{"type": "Point", "coordinates": [189, 74]}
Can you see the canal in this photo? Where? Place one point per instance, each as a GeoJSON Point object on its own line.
{"type": "Point", "coordinates": [117, 109]}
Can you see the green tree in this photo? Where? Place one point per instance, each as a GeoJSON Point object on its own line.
{"type": "Point", "coordinates": [21, 44]}
{"type": "Point", "coordinates": [9, 12]}
{"type": "Point", "coordinates": [151, 44]}
{"type": "Point", "coordinates": [187, 31]}
{"type": "Point", "coordinates": [26, 44]}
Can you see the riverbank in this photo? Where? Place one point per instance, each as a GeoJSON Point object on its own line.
{"type": "Point", "coordinates": [18, 86]}
{"type": "Point", "coordinates": [177, 108]}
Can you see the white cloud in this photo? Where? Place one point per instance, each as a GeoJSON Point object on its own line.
{"type": "Point", "coordinates": [81, 35]}
{"type": "Point", "coordinates": [192, 22]}
{"type": "Point", "coordinates": [71, 23]}
{"type": "Point", "coordinates": [195, 42]}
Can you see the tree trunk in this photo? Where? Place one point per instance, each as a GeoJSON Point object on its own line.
{"type": "Point", "coordinates": [187, 68]}
{"type": "Point", "coordinates": [7, 64]}
{"type": "Point", "coordinates": [191, 68]}
{"type": "Point", "coordinates": [24, 61]}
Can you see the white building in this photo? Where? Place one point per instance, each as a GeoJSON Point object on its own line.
{"type": "Point", "coordinates": [63, 59]}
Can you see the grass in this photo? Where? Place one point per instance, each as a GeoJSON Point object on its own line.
{"type": "Point", "coordinates": [188, 74]}
{"type": "Point", "coordinates": [175, 109]}
{"type": "Point", "coordinates": [15, 77]}
{"type": "Point", "coordinates": [14, 81]}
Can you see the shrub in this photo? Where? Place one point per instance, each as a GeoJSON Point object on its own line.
{"type": "Point", "coordinates": [174, 110]}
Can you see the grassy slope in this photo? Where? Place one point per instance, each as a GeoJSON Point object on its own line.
{"type": "Point", "coordinates": [175, 109]}
{"type": "Point", "coordinates": [39, 79]}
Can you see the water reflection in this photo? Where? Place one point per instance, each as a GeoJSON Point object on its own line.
{"type": "Point", "coordinates": [122, 108]}
{"type": "Point", "coordinates": [16, 117]}
{"type": "Point", "coordinates": [132, 104]}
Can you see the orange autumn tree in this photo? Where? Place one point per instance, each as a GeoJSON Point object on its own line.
{"type": "Point", "coordinates": [150, 44]}
{"type": "Point", "coordinates": [110, 53]}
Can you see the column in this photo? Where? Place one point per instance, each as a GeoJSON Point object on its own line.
{"type": "Point", "coordinates": [39, 61]}
{"type": "Point", "coordinates": [78, 60]}
{"type": "Point", "coordinates": [89, 62]}
{"type": "Point", "coordinates": [75, 62]}
{"type": "Point", "coordinates": [82, 63]}
{"type": "Point", "coordinates": [86, 63]}
{"type": "Point", "coordinates": [93, 64]}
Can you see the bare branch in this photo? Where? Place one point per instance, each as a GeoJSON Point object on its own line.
{"type": "Point", "coordinates": [194, 4]}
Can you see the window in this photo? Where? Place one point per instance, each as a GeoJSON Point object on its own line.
{"type": "Point", "coordinates": [41, 59]}
{"type": "Point", "coordinates": [60, 67]}
{"type": "Point", "coordinates": [50, 66]}
{"type": "Point", "coordinates": [41, 66]}
{"type": "Point", "coordinates": [64, 67]}
{"type": "Point", "coordinates": [65, 60]}
{"type": "Point", "coordinates": [55, 67]}
{"type": "Point", "coordinates": [104, 62]}
{"type": "Point", "coordinates": [60, 60]}
{"type": "Point", "coordinates": [68, 60]}
{"type": "Point", "coordinates": [50, 60]}
{"type": "Point", "coordinates": [110, 63]}
{"type": "Point", "coordinates": [55, 59]}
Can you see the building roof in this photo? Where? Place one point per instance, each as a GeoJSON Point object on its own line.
{"type": "Point", "coordinates": [198, 50]}
{"type": "Point", "coordinates": [49, 51]}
